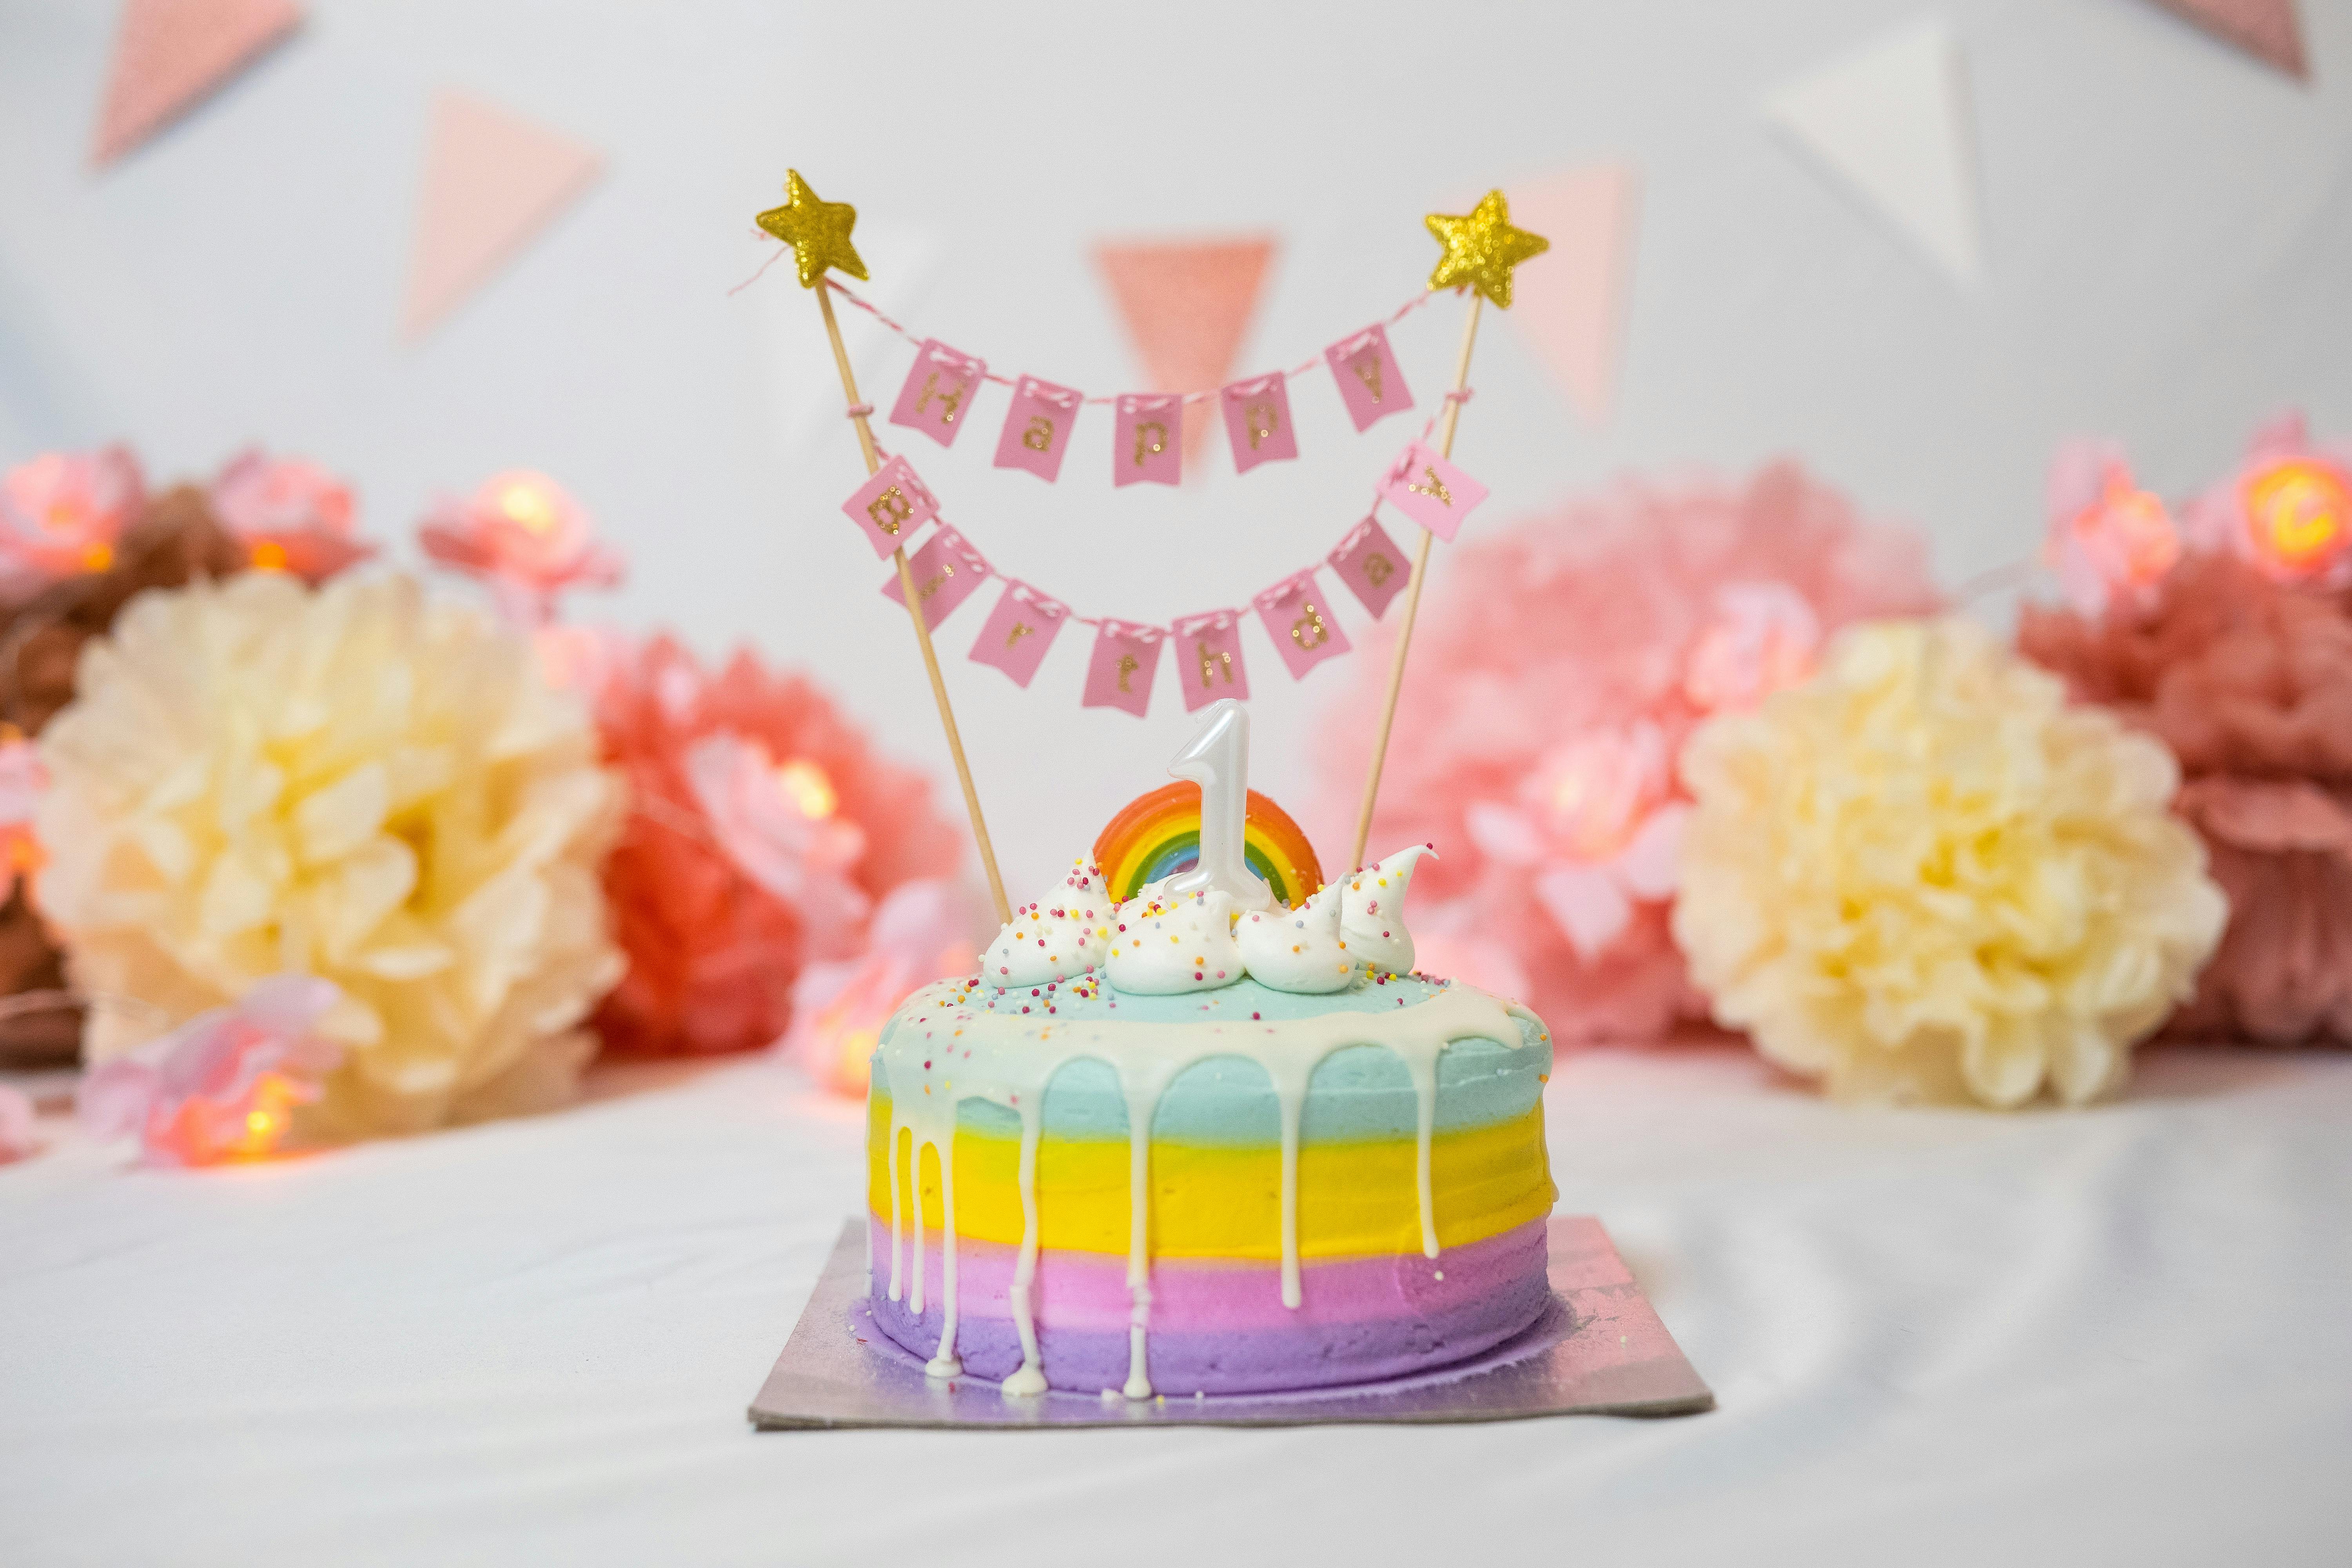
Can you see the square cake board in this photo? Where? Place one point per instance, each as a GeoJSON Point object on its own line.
{"type": "Point", "coordinates": [1597, 1349]}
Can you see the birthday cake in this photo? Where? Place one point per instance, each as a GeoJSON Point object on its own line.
{"type": "Point", "coordinates": [1199, 1127]}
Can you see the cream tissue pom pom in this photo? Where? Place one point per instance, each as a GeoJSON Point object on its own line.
{"type": "Point", "coordinates": [1923, 877]}
{"type": "Point", "coordinates": [259, 778]}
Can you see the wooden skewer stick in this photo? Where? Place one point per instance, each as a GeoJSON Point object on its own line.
{"type": "Point", "coordinates": [1412, 588]}
{"type": "Point", "coordinates": [915, 613]}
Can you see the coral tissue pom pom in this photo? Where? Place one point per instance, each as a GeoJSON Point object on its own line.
{"type": "Point", "coordinates": [1922, 875]}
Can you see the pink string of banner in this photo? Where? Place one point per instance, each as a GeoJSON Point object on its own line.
{"type": "Point", "coordinates": [893, 505]}
{"type": "Point", "coordinates": [1301, 368]}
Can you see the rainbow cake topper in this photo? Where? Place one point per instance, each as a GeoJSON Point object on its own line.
{"type": "Point", "coordinates": [1159, 834]}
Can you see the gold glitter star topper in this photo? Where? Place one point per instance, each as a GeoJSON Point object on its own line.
{"type": "Point", "coordinates": [1481, 249]}
{"type": "Point", "coordinates": [818, 231]}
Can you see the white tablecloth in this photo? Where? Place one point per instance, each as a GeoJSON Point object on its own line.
{"type": "Point", "coordinates": [2115, 1336]}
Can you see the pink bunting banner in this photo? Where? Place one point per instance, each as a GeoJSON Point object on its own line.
{"type": "Point", "coordinates": [1037, 427]}
{"type": "Point", "coordinates": [938, 388]}
{"type": "Point", "coordinates": [1019, 631]}
{"type": "Point", "coordinates": [1150, 435]}
{"type": "Point", "coordinates": [1369, 562]}
{"type": "Point", "coordinates": [1299, 620]}
{"type": "Point", "coordinates": [1120, 674]}
{"type": "Point", "coordinates": [1257, 421]}
{"type": "Point", "coordinates": [1371, 384]}
{"type": "Point", "coordinates": [1146, 447]}
{"type": "Point", "coordinates": [947, 571]}
{"type": "Point", "coordinates": [1431, 490]}
{"type": "Point", "coordinates": [891, 506]}
{"type": "Point", "coordinates": [1209, 659]}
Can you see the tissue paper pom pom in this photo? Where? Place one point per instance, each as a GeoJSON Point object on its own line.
{"type": "Point", "coordinates": [1557, 669]}
{"type": "Point", "coordinates": [2249, 680]}
{"type": "Point", "coordinates": [257, 778]}
{"type": "Point", "coordinates": [1923, 876]}
{"type": "Point", "coordinates": [721, 897]}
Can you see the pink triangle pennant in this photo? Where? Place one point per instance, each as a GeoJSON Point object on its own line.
{"type": "Point", "coordinates": [2269, 30]}
{"type": "Point", "coordinates": [170, 55]}
{"type": "Point", "coordinates": [1570, 300]}
{"type": "Point", "coordinates": [492, 182]}
{"type": "Point", "coordinates": [1187, 306]}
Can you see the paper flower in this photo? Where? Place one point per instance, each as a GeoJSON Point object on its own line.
{"type": "Point", "coordinates": [352, 783]}
{"type": "Point", "coordinates": [1556, 671]}
{"type": "Point", "coordinates": [18, 1138]}
{"type": "Point", "coordinates": [2249, 680]}
{"type": "Point", "coordinates": [1597, 830]}
{"type": "Point", "coordinates": [525, 537]}
{"type": "Point", "coordinates": [922, 932]}
{"type": "Point", "coordinates": [226, 1085]}
{"type": "Point", "coordinates": [23, 782]}
{"type": "Point", "coordinates": [1923, 876]}
{"type": "Point", "coordinates": [2110, 540]}
{"type": "Point", "coordinates": [63, 512]}
{"type": "Point", "coordinates": [290, 515]}
{"type": "Point", "coordinates": [2287, 510]}
{"type": "Point", "coordinates": [762, 829]}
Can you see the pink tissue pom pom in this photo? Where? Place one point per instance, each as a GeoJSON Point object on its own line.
{"type": "Point", "coordinates": [1557, 670]}
{"type": "Point", "coordinates": [763, 829]}
{"type": "Point", "coordinates": [2249, 680]}
{"type": "Point", "coordinates": [226, 1084]}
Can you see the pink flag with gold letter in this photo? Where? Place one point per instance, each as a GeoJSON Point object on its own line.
{"type": "Point", "coordinates": [1209, 659]}
{"type": "Point", "coordinates": [1257, 421]}
{"type": "Point", "coordinates": [493, 180]}
{"type": "Point", "coordinates": [938, 392]}
{"type": "Point", "coordinates": [1298, 617]}
{"type": "Point", "coordinates": [947, 571]}
{"type": "Point", "coordinates": [1431, 490]}
{"type": "Point", "coordinates": [1037, 427]}
{"type": "Point", "coordinates": [1369, 382]}
{"type": "Point", "coordinates": [1120, 674]}
{"type": "Point", "coordinates": [171, 55]}
{"type": "Point", "coordinates": [1369, 562]}
{"type": "Point", "coordinates": [1143, 447]}
{"type": "Point", "coordinates": [1019, 631]}
{"type": "Point", "coordinates": [891, 506]}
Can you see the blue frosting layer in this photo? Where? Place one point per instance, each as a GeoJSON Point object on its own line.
{"type": "Point", "coordinates": [1358, 1093]}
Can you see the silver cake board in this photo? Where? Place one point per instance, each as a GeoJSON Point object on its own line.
{"type": "Point", "coordinates": [1597, 1349]}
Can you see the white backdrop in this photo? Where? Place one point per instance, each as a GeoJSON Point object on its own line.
{"type": "Point", "coordinates": [2168, 235]}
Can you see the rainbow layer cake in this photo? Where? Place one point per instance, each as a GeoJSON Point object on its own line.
{"type": "Point", "coordinates": [1196, 1140]}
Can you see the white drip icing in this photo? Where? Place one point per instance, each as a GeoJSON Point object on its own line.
{"type": "Point", "coordinates": [1008, 1059]}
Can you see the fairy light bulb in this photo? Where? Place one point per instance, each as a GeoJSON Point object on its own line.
{"type": "Point", "coordinates": [804, 784]}
{"type": "Point", "coordinates": [528, 506]}
{"type": "Point", "coordinates": [2297, 509]}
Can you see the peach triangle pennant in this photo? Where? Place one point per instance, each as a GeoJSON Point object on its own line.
{"type": "Point", "coordinates": [2269, 30]}
{"type": "Point", "coordinates": [1187, 305]}
{"type": "Point", "coordinates": [493, 180]}
{"type": "Point", "coordinates": [170, 55]}
{"type": "Point", "coordinates": [1570, 300]}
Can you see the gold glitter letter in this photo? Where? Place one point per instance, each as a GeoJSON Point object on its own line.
{"type": "Point", "coordinates": [1378, 568]}
{"type": "Point", "coordinates": [1434, 488]}
{"type": "Point", "coordinates": [1020, 629]}
{"type": "Point", "coordinates": [1150, 440]}
{"type": "Point", "coordinates": [1367, 371]}
{"type": "Point", "coordinates": [1126, 667]}
{"type": "Point", "coordinates": [888, 509]}
{"type": "Point", "coordinates": [1309, 630]}
{"type": "Point", "coordinates": [1039, 437]}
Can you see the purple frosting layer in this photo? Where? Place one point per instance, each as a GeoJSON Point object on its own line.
{"type": "Point", "coordinates": [1491, 1290]}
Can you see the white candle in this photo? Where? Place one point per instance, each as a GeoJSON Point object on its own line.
{"type": "Point", "coordinates": [1218, 761]}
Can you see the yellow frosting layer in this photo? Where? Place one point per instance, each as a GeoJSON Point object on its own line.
{"type": "Point", "coordinates": [1354, 1199]}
